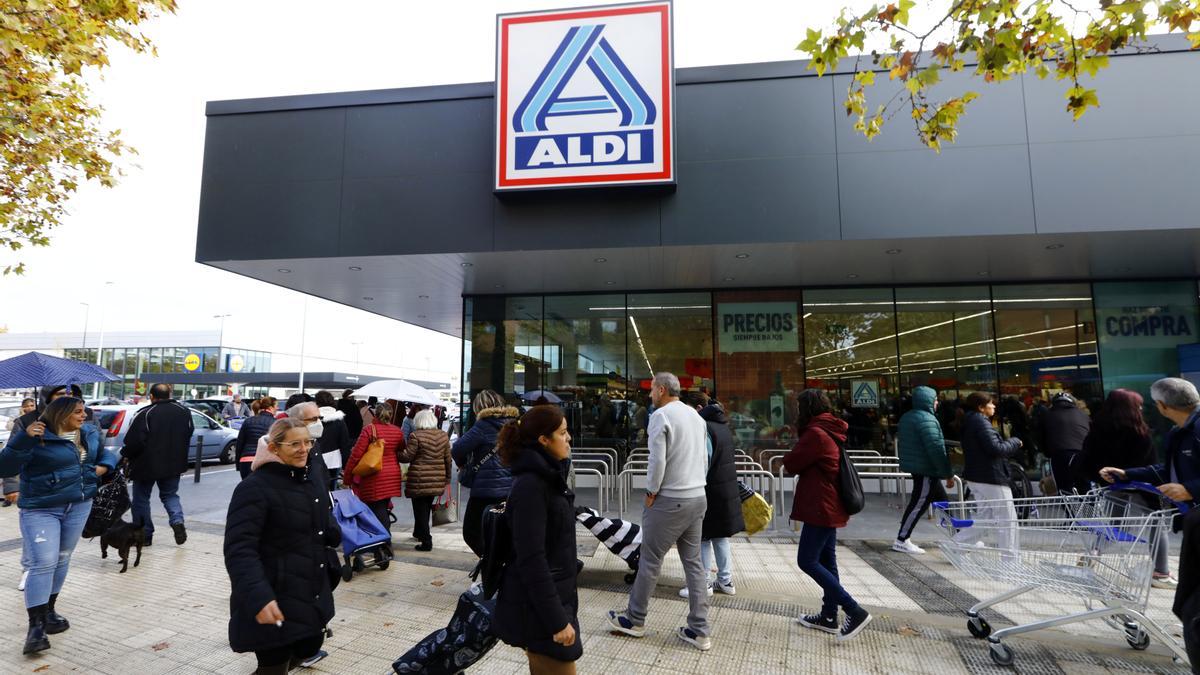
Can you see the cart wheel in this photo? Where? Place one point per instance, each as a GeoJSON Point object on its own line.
{"type": "Point", "coordinates": [1002, 654]}
{"type": "Point", "coordinates": [630, 578]}
{"type": "Point", "coordinates": [1139, 640]}
{"type": "Point", "coordinates": [383, 564]}
{"type": "Point", "coordinates": [979, 627]}
{"type": "Point", "coordinates": [357, 564]}
{"type": "Point", "coordinates": [347, 573]}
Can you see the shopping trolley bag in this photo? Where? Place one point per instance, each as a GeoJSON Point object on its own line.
{"type": "Point", "coordinates": [459, 645]}
{"type": "Point", "coordinates": [622, 537]}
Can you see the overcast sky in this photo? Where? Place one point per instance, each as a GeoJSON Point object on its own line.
{"type": "Point", "coordinates": [141, 235]}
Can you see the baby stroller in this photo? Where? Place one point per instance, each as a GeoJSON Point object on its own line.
{"type": "Point", "coordinates": [362, 534]}
{"type": "Point", "coordinates": [622, 537]}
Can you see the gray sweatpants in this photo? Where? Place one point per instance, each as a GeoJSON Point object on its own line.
{"type": "Point", "coordinates": [672, 522]}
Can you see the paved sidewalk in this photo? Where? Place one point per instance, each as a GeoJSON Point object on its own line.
{"type": "Point", "coordinates": [170, 614]}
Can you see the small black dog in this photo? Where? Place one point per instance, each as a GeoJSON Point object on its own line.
{"type": "Point", "coordinates": [122, 536]}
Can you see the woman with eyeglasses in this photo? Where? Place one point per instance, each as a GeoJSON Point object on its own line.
{"type": "Point", "coordinates": [60, 459]}
{"type": "Point", "coordinates": [279, 533]}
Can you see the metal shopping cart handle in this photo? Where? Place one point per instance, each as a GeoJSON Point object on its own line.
{"type": "Point", "coordinates": [1139, 486]}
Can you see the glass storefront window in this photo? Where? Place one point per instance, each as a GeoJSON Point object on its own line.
{"type": "Point", "coordinates": [850, 343]}
{"type": "Point", "coordinates": [667, 332]}
{"type": "Point", "coordinates": [1046, 342]}
{"type": "Point", "coordinates": [945, 337]}
{"type": "Point", "coordinates": [759, 365]}
{"type": "Point", "coordinates": [585, 347]}
{"type": "Point", "coordinates": [1142, 326]}
{"type": "Point", "coordinates": [506, 345]}
{"type": "Point", "coordinates": [156, 361]}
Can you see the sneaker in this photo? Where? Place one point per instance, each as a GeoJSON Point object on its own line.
{"type": "Point", "coordinates": [312, 660]}
{"type": "Point", "coordinates": [693, 638]}
{"type": "Point", "coordinates": [906, 546]}
{"type": "Point", "coordinates": [853, 625]}
{"type": "Point", "coordinates": [180, 533]}
{"type": "Point", "coordinates": [683, 592]}
{"type": "Point", "coordinates": [621, 623]}
{"type": "Point", "coordinates": [1165, 581]}
{"type": "Point", "coordinates": [727, 589]}
{"type": "Point", "coordinates": [827, 624]}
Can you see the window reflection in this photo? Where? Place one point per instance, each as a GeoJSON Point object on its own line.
{"type": "Point", "coordinates": [666, 332]}
{"type": "Point", "coordinates": [585, 346]}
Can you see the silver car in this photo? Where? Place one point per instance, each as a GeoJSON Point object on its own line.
{"type": "Point", "coordinates": [219, 441]}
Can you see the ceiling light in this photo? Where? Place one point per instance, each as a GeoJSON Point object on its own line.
{"type": "Point", "coordinates": [467, 264]}
{"type": "Point", "coordinates": [498, 286]}
{"type": "Point", "coordinates": [599, 259]}
{"type": "Point", "coordinates": [284, 270]}
{"type": "Point", "coordinates": [367, 297]}
{"type": "Point", "coordinates": [421, 316]}
{"type": "Point", "coordinates": [1124, 269]}
{"type": "Point", "coordinates": [353, 268]}
{"type": "Point", "coordinates": [728, 278]}
{"type": "Point", "coordinates": [1054, 247]}
{"type": "Point", "coordinates": [423, 297]}
{"type": "Point", "coordinates": [742, 256]}
{"type": "Point", "coordinates": [610, 283]}
{"type": "Point", "coordinates": [892, 251]}
{"type": "Point", "coordinates": [851, 276]}
{"type": "Point", "coordinates": [983, 274]}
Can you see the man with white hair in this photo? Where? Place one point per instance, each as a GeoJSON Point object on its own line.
{"type": "Point", "coordinates": [309, 413]}
{"type": "Point", "coordinates": [1178, 478]}
{"type": "Point", "coordinates": [674, 513]}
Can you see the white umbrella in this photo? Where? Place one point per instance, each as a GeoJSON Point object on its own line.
{"type": "Point", "coordinates": [400, 390]}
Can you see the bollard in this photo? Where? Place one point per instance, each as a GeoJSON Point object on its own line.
{"type": "Point", "coordinates": [199, 454]}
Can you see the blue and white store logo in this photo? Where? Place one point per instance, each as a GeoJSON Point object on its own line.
{"type": "Point", "coordinates": [585, 97]}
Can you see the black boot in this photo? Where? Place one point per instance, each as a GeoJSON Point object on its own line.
{"type": "Point", "coordinates": [55, 622]}
{"type": "Point", "coordinates": [35, 639]}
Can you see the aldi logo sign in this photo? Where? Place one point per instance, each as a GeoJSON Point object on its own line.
{"type": "Point", "coordinates": [585, 97]}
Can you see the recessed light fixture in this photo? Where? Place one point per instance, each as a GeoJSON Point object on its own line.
{"type": "Point", "coordinates": [610, 283]}
{"type": "Point", "coordinates": [498, 286]}
{"type": "Point", "coordinates": [354, 268]}
{"type": "Point", "coordinates": [892, 251]}
{"type": "Point", "coordinates": [423, 297]}
{"type": "Point", "coordinates": [284, 270]}
{"type": "Point", "coordinates": [852, 276]}
{"type": "Point", "coordinates": [728, 278]}
{"type": "Point", "coordinates": [367, 297]}
{"type": "Point", "coordinates": [467, 264]}
{"type": "Point", "coordinates": [1124, 269]}
{"type": "Point", "coordinates": [1053, 247]}
{"type": "Point", "coordinates": [742, 256]}
{"type": "Point", "coordinates": [421, 316]}
{"type": "Point", "coordinates": [983, 274]}
{"type": "Point", "coordinates": [599, 259]}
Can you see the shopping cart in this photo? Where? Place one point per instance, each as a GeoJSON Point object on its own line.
{"type": "Point", "coordinates": [1097, 547]}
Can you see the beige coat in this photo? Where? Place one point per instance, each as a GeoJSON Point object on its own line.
{"type": "Point", "coordinates": [428, 456]}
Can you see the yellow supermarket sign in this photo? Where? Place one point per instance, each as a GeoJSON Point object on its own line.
{"type": "Point", "coordinates": [191, 363]}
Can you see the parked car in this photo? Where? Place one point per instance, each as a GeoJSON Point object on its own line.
{"type": "Point", "coordinates": [114, 421]}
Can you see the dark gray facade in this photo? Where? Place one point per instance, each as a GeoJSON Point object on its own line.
{"type": "Point", "coordinates": [398, 183]}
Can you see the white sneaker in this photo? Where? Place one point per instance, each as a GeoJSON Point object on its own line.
{"type": "Point", "coordinates": [1167, 582]}
{"type": "Point", "coordinates": [683, 592]}
{"type": "Point", "coordinates": [727, 589]}
{"type": "Point", "coordinates": [24, 578]}
{"type": "Point", "coordinates": [907, 546]}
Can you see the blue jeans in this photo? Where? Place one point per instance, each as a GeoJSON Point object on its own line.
{"type": "Point", "coordinates": [168, 492]}
{"type": "Point", "coordinates": [719, 549]}
{"type": "Point", "coordinates": [817, 557]}
{"type": "Point", "coordinates": [48, 538]}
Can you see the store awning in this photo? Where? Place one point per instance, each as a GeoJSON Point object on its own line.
{"type": "Point", "coordinates": [318, 380]}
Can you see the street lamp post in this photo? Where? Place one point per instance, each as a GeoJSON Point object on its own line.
{"type": "Point", "coordinates": [100, 344]}
{"type": "Point", "coordinates": [87, 314]}
{"type": "Point", "coordinates": [303, 331]}
{"type": "Point", "coordinates": [356, 346]}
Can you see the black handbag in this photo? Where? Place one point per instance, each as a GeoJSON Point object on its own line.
{"type": "Point", "coordinates": [110, 503]}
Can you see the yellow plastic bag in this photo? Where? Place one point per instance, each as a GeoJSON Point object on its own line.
{"type": "Point", "coordinates": [757, 513]}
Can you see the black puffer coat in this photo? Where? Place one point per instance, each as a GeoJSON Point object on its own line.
{"type": "Point", "coordinates": [538, 596]}
{"type": "Point", "coordinates": [158, 440]}
{"type": "Point", "coordinates": [986, 454]}
{"type": "Point", "coordinates": [253, 428]}
{"type": "Point", "coordinates": [277, 535]}
{"type": "Point", "coordinates": [724, 515]}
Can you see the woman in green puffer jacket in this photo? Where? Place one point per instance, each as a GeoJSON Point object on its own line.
{"type": "Point", "coordinates": [923, 454]}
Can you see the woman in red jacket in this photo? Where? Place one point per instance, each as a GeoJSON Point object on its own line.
{"type": "Point", "coordinates": [817, 504]}
{"type": "Point", "coordinates": [377, 490]}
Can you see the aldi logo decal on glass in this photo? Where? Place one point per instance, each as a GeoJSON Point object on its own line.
{"type": "Point", "coordinates": [585, 97]}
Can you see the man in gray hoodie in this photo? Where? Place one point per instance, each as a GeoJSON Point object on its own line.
{"type": "Point", "coordinates": [674, 513]}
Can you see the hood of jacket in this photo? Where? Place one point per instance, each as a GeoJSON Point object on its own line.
{"type": "Point", "coordinates": [263, 455]}
{"type": "Point", "coordinates": [535, 460]}
{"type": "Point", "coordinates": [1063, 403]}
{"type": "Point", "coordinates": [329, 414]}
{"type": "Point", "coordinates": [923, 398]}
{"type": "Point", "coordinates": [834, 426]}
{"type": "Point", "coordinates": [498, 411]}
{"type": "Point", "coordinates": [714, 413]}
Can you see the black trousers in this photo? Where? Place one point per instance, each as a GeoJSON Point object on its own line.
{"type": "Point", "coordinates": [381, 511]}
{"type": "Point", "coordinates": [926, 489]}
{"type": "Point", "coordinates": [422, 510]}
{"type": "Point", "coordinates": [244, 468]}
{"type": "Point", "coordinates": [473, 522]}
{"type": "Point", "coordinates": [298, 650]}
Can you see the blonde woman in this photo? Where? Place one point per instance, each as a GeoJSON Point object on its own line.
{"type": "Point", "coordinates": [60, 459]}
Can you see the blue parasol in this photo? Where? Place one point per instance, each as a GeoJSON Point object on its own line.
{"type": "Point", "coordinates": [42, 370]}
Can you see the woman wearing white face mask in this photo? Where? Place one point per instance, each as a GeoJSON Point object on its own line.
{"type": "Point", "coordinates": [377, 489]}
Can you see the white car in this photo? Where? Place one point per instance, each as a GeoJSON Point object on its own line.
{"type": "Point", "coordinates": [219, 441]}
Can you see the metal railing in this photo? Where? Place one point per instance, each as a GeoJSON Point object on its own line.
{"type": "Point", "coordinates": [601, 492]}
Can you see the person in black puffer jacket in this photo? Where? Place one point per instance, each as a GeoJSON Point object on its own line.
{"type": "Point", "coordinates": [538, 603]}
{"type": "Point", "coordinates": [986, 471]}
{"type": "Point", "coordinates": [480, 469]}
{"type": "Point", "coordinates": [254, 428]}
{"type": "Point", "coordinates": [278, 537]}
{"type": "Point", "coordinates": [723, 519]}
{"type": "Point", "coordinates": [1063, 430]}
